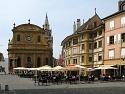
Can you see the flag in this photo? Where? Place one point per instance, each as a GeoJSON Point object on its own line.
{"type": "Point", "coordinates": [60, 60]}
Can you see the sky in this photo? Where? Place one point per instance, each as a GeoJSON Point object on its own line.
{"type": "Point", "coordinates": [61, 16]}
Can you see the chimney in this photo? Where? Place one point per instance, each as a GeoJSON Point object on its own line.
{"type": "Point", "coordinates": [74, 27]}
{"type": "Point", "coordinates": [119, 5]}
{"type": "Point", "coordinates": [78, 23]}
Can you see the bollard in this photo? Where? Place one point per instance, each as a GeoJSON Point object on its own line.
{"type": "Point", "coordinates": [6, 88]}
{"type": "Point", "coordinates": [0, 86]}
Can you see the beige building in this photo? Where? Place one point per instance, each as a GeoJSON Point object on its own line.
{"type": "Point", "coordinates": [86, 45]}
{"type": "Point", "coordinates": [30, 46]}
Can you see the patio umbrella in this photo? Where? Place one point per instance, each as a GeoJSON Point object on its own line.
{"type": "Point", "coordinates": [57, 68]}
{"type": "Point", "coordinates": [70, 67]}
{"type": "Point", "coordinates": [20, 68]}
{"type": "Point", "coordinates": [45, 68]}
{"type": "Point", "coordinates": [105, 67]}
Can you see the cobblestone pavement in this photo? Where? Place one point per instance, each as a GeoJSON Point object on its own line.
{"type": "Point", "coordinates": [19, 85]}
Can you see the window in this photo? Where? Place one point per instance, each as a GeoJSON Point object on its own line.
{"type": "Point", "coordinates": [100, 43]}
{"type": "Point", "coordinates": [46, 63]}
{"type": "Point", "coordinates": [82, 58]}
{"type": "Point", "coordinates": [90, 46]}
{"type": "Point", "coordinates": [99, 57]}
{"type": "Point", "coordinates": [123, 37]}
{"type": "Point", "coordinates": [123, 21]}
{"type": "Point", "coordinates": [95, 24]}
{"type": "Point", "coordinates": [90, 36]}
{"type": "Point", "coordinates": [83, 36]}
{"type": "Point", "coordinates": [69, 61]}
{"type": "Point", "coordinates": [28, 59]}
{"type": "Point", "coordinates": [74, 61]}
{"type": "Point", "coordinates": [75, 41]}
{"type": "Point", "coordinates": [18, 62]}
{"type": "Point", "coordinates": [74, 50]}
{"type": "Point", "coordinates": [66, 45]}
{"type": "Point", "coordinates": [38, 62]}
{"type": "Point", "coordinates": [123, 7]}
{"type": "Point", "coordinates": [18, 37]}
{"type": "Point", "coordinates": [111, 25]}
{"type": "Point", "coordinates": [69, 43]}
{"type": "Point", "coordinates": [95, 34]}
{"type": "Point", "coordinates": [90, 59]}
{"type": "Point", "coordinates": [95, 45]}
{"type": "Point", "coordinates": [111, 40]}
{"type": "Point", "coordinates": [111, 54]}
{"type": "Point", "coordinates": [100, 32]}
{"type": "Point", "coordinates": [123, 53]}
{"type": "Point", "coordinates": [39, 38]}
{"type": "Point", "coordinates": [83, 46]}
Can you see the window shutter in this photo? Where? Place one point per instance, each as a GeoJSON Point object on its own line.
{"type": "Point", "coordinates": [114, 39]}
{"type": "Point", "coordinates": [119, 38]}
{"type": "Point", "coordinates": [107, 40]}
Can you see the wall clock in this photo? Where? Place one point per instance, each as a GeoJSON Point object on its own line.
{"type": "Point", "coordinates": [28, 38]}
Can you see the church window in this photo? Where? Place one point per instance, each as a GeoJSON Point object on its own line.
{"type": "Point", "coordinates": [28, 59]}
{"type": "Point", "coordinates": [18, 37]}
{"type": "Point", "coordinates": [38, 62]}
{"type": "Point", "coordinates": [39, 38]}
{"type": "Point", "coordinates": [46, 61]}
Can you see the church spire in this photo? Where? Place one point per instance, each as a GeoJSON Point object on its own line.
{"type": "Point", "coordinates": [46, 24]}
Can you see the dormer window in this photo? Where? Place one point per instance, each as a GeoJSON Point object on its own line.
{"type": "Point", "coordinates": [123, 7]}
{"type": "Point", "coordinates": [95, 24]}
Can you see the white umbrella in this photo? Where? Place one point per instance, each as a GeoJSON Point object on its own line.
{"type": "Point", "coordinates": [57, 68]}
{"type": "Point", "coordinates": [20, 68]}
{"type": "Point", "coordinates": [105, 67]}
{"type": "Point", "coordinates": [45, 68]}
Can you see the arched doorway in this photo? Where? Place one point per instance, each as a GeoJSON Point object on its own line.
{"type": "Point", "coordinates": [18, 62]}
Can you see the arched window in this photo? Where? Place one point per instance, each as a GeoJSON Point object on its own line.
{"type": "Point", "coordinates": [46, 61]}
{"type": "Point", "coordinates": [18, 37]}
{"type": "Point", "coordinates": [38, 62]}
{"type": "Point", "coordinates": [28, 59]}
{"type": "Point", "coordinates": [39, 39]}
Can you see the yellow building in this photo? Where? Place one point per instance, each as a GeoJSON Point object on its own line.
{"type": "Point", "coordinates": [85, 45]}
{"type": "Point", "coordinates": [31, 46]}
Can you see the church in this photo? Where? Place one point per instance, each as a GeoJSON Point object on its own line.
{"type": "Point", "coordinates": [30, 46]}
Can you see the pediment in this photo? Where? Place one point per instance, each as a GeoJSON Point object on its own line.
{"type": "Point", "coordinates": [27, 27]}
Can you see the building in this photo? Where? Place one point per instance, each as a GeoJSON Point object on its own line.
{"type": "Point", "coordinates": [86, 45]}
{"type": "Point", "coordinates": [115, 39]}
{"type": "Point", "coordinates": [30, 46]}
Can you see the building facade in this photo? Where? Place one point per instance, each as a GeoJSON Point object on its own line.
{"type": "Point", "coordinates": [115, 39]}
{"type": "Point", "coordinates": [31, 46]}
{"type": "Point", "coordinates": [86, 45]}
